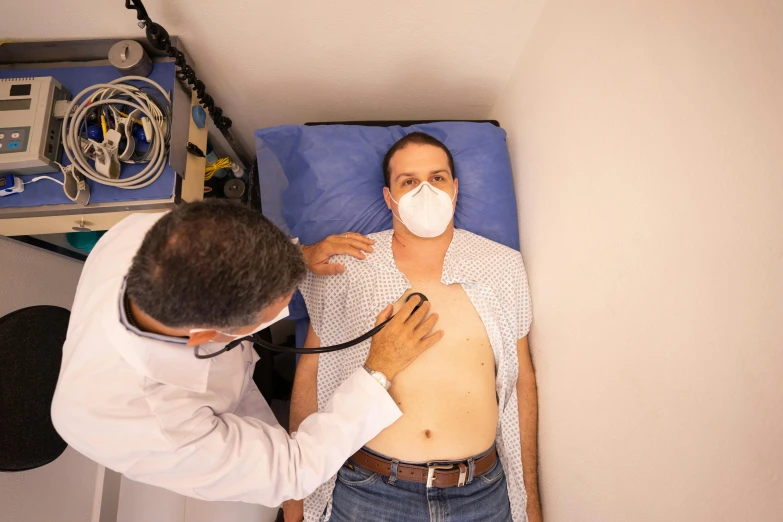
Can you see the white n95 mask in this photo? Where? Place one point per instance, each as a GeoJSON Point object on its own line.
{"type": "Point", "coordinates": [425, 210]}
{"type": "Point", "coordinates": [282, 315]}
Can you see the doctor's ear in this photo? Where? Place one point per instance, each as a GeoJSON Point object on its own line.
{"type": "Point", "coordinates": [201, 337]}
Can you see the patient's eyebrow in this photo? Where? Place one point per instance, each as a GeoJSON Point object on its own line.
{"type": "Point", "coordinates": [412, 175]}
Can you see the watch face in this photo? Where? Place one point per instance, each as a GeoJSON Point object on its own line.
{"type": "Point", "coordinates": [3, 182]}
{"type": "Point", "coordinates": [381, 378]}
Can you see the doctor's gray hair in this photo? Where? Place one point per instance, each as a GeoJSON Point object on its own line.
{"type": "Point", "coordinates": [213, 264]}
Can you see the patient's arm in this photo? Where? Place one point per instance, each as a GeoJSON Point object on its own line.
{"type": "Point", "coordinates": [527, 397]}
{"type": "Point", "coordinates": [304, 402]}
{"type": "Point", "coordinates": [304, 397]}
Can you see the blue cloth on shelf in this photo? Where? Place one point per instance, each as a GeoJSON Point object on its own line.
{"type": "Point", "coordinates": [75, 79]}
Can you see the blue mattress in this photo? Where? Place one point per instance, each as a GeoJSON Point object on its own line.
{"type": "Point", "coordinates": [321, 180]}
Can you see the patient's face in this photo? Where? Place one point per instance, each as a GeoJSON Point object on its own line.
{"type": "Point", "coordinates": [414, 164]}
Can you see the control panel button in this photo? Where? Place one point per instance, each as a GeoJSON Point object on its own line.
{"type": "Point", "coordinates": [1, 145]}
{"type": "Point", "coordinates": [15, 135]}
{"type": "Point", "coordinates": [13, 144]}
{"type": "Point", "coordinates": [2, 135]}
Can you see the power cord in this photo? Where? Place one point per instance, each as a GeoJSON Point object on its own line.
{"type": "Point", "coordinates": [159, 38]}
{"type": "Point", "coordinates": [39, 178]}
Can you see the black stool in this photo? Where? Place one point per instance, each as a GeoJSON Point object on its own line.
{"type": "Point", "coordinates": [31, 342]}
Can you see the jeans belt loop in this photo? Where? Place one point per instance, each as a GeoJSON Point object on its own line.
{"type": "Point", "coordinates": [471, 470]}
{"type": "Point", "coordinates": [393, 475]}
{"type": "Point", "coordinates": [462, 474]}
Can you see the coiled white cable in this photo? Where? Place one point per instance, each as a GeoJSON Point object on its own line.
{"type": "Point", "coordinates": [135, 99]}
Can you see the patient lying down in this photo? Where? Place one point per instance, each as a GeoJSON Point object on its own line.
{"type": "Point", "coordinates": [468, 403]}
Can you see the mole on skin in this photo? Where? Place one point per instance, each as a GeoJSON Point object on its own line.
{"type": "Point", "coordinates": [428, 433]}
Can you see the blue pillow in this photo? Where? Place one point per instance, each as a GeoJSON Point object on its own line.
{"type": "Point", "coordinates": [328, 179]}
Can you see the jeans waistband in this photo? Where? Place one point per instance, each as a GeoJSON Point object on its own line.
{"type": "Point", "coordinates": [468, 464]}
{"type": "Point", "coordinates": [412, 463]}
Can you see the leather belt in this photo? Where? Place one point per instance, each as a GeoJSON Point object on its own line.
{"type": "Point", "coordinates": [433, 474]}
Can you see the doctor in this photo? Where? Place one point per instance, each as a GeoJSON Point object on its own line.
{"type": "Point", "coordinates": [133, 396]}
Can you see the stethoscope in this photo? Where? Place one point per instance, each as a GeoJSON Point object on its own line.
{"type": "Point", "coordinates": [255, 339]}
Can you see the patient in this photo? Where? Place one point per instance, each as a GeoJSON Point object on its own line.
{"type": "Point", "coordinates": [467, 400]}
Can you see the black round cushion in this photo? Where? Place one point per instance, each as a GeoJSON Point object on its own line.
{"type": "Point", "coordinates": [31, 347]}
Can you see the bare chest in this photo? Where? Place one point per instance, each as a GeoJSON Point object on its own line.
{"type": "Point", "coordinates": [457, 316]}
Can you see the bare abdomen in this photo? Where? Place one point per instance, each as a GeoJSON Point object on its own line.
{"type": "Point", "coordinates": [449, 405]}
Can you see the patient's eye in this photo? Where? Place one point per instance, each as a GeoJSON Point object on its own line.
{"type": "Point", "coordinates": [409, 182]}
{"type": "Point", "coordinates": [438, 178]}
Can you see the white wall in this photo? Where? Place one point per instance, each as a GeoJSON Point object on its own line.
{"type": "Point", "coordinates": [63, 489]}
{"type": "Point", "coordinates": [647, 142]}
{"type": "Point", "coordinates": [39, 277]}
{"type": "Point", "coordinates": [144, 503]}
{"type": "Point", "coordinates": [270, 62]}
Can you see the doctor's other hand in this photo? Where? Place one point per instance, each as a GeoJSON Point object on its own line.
{"type": "Point", "coordinates": [293, 510]}
{"type": "Point", "coordinates": [402, 340]}
{"type": "Point", "coordinates": [317, 256]}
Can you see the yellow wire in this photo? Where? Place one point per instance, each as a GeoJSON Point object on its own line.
{"type": "Point", "coordinates": [222, 163]}
{"type": "Point", "coordinates": [138, 122]}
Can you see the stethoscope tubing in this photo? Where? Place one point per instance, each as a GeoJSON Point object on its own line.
{"type": "Point", "coordinates": [255, 339]}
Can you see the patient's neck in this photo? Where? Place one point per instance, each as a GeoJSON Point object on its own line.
{"type": "Point", "coordinates": [419, 257]}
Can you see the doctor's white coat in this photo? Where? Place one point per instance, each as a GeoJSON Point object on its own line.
{"type": "Point", "coordinates": [149, 409]}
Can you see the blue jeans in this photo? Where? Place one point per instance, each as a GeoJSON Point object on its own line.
{"type": "Point", "coordinates": [360, 494]}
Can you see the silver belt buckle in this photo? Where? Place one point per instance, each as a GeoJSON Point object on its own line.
{"type": "Point", "coordinates": [431, 471]}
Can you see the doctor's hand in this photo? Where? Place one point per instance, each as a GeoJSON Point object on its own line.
{"type": "Point", "coordinates": [317, 255]}
{"type": "Point", "coordinates": [402, 340]}
{"type": "Point", "coordinates": [293, 510]}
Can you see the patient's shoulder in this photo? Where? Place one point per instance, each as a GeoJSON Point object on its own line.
{"type": "Point", "coordinates": [382, 235]}
{"type": "Point", "coordinates": [481, 248]}
{"type": "Point", "coordinates": [374, 261]}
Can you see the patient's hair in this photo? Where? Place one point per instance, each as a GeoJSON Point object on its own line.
{"type": "Point", "coordinates": [415, 138]}
{"type": "Point", "coordinates": [212, 264]}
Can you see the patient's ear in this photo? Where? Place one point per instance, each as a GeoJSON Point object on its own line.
{"type": "Point", "coordinates": [387, 197]}
{"type": "Point", "coordinates": [456, 189]}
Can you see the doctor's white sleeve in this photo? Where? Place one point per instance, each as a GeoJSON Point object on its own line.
{"type": "Point", "coordinates": [227, 457]}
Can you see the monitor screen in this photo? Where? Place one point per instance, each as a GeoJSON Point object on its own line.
{"type": "Point", "coordinates": [22, 104]}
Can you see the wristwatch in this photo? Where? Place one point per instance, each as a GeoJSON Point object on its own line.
{"type": "Point", "coordinates": [378, 376]}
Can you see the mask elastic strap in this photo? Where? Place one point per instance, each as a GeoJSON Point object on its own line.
{"type": "Point", "coordinates": [398, 204]}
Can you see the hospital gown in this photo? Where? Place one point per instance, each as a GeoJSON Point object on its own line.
{"type": "Point", "coordinates": [344, 306]}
